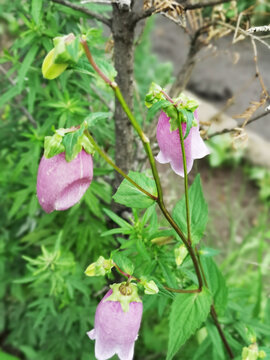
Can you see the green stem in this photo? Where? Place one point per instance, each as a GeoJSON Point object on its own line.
{"type": "Point", "coordinates": [185, 177]}
{"type": "Point", "coordinates": [146, 144]}
{"type": "Point", "coordinates": [109, 161]}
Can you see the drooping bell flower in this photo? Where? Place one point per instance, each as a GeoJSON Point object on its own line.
{"type": "Point", "coordinates": [61, 184]}
{"type": "Point", "coordinates": [170, 147]}
{"type": "Point", "coordinates": [117, 322]}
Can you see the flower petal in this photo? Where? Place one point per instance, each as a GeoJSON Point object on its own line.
{"type": "Point", "coordinates": [170, 146]}
{"type": "Point", "coordinates": [61, 184]}
{"type": "Point", "coordinates": [126, 351]}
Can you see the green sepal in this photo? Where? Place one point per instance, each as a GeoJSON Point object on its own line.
{"type": "Point", "coordinates": [100, 267]}
{"type": "Point", "coordinates": [67, 49]}
{"type": "Point", "coordinates": [185, 102]}
{"type": "Point", "coordinates": [185, 116]}
{"type": "Point", "coordinates": [75, 141]}
{"type": "Point", "coordinates": [150, 287]}
{"type": "Point", "coordinates": [180, 254]}
{"type": "Point", "coordinates": [154, 95]}
{"type": "Point", "coordinates": [124, 300]}
{"type": "Point", "coordinates": [71, 141]}
{"type": "Point", "coordinates": [53, 145]}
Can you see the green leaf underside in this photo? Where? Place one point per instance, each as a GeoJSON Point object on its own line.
{"type": "Point", "coordinates": [123, 262]}
{"type": "Point", "coordinates": [188, 312]}
{"type": "Point", "coordinates": [127, 194]}
{"type": "Point", "coordinates": [198, 211]}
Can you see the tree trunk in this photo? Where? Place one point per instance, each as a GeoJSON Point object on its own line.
{"type": "Point", "coordinates": [123, 35]}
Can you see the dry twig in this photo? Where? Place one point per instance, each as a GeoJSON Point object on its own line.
{"type": "Point", "coordinates": [84, 10]}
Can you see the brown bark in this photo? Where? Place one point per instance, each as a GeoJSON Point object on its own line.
{"type": "Point", "coordinates": [123, 35]}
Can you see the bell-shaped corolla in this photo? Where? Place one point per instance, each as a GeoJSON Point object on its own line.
{"type": "Point", "coordinates": [117, 322]}
{"type": "Point", "coordinates": [170, 146]}
{"type": "Point", "coordinates": [61, 184]}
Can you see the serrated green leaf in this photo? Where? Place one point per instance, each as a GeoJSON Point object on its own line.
{"type": "Point", "coordinates": [188, 312]}
{"type": "Point", "coordinates": [127, 194]}
{"type": "Point", "coordinates": [198, 211]}
{"type": "Point", "coordinates": [216, 283]}
{"type": "Point", "coordinates": [123, 262]}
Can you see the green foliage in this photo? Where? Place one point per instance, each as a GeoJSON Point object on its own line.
{"type": "Point", "coordinates": [189, 311]}
{"type": "Point", "coordinates": [198, 211]}
{"type": "Point", "coordinates": [47, 302]}
{"type": "Point", "coordinates": [129, 195]}
{"type": "Point", "coordinates": [216, 283]}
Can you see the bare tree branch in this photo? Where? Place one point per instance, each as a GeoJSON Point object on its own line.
{"type": "Point", "coordinates": [186, 6]}
{"type": "Point", "coordinates": [82, 9]}
{"type": "Point", "coordinates": [226, 131]}
{"type": "Point", "coordinates": [185, 72]}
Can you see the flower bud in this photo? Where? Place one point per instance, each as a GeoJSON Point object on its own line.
{"type": "Point", "coordinates": [100, 267]}
{"type": "Point", "coordinates": [51, 70]}
{"type": "Point", "coordinates": [180, 254]}
{"type": "Point", "coordinates": [116, 330]}
{"type": "Point", "coordinates": [170, 147]}
{"type": "Point", "coordinates": [150, 287]}
{"type": "Point", "coordinates": [61, 184]}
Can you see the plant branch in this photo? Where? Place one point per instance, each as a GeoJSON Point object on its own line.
{"type": "Point", "coordinates": [189, 6]}
{"type": "Point", "coordinates": [221, 333]}
{"type": "Point", "coordinates": [246, 33]}
{"type": "Point", "coordinates": [225, 131]}
{"type": "Point", "coordinates": [147, 148]}
{"type": "Point", "coordinates": [160, 200]}
{"type": "Point", "coordinates": [183, 291]}
{"type": "Point", "coordinates": [116, 168]}
{"type": "Point", "coordinates": [86, 11]}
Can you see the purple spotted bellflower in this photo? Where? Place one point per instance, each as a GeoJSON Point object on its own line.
{"type": "Point", "coordinates": [61, 184]}
{"type": "Point", "coordinates": [170, 147]}
{"type": "Point", "coordinates": [117, 322]}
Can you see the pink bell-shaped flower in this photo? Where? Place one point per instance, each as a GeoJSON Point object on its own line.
{"type": "Point", "coordinates": [117, 323]}
{"type": "Point", "coordinates": [170, 147]}
{"type": "Point", "coordinates": [61, 184]}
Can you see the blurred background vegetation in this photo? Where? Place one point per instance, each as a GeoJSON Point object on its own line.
{"type": "Point", "coordinates": [46, 302]}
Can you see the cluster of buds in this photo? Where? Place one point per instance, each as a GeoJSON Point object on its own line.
{"type": "Point", "coordinates": [67, 51]}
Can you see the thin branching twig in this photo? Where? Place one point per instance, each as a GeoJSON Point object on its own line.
{"type": "Point", "coordinates": [86, 11]}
